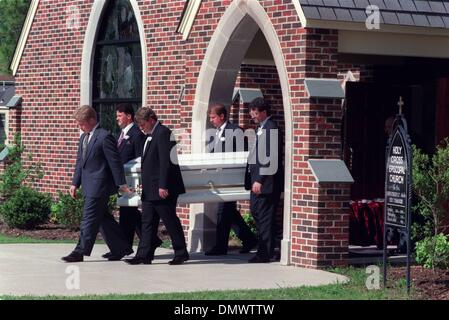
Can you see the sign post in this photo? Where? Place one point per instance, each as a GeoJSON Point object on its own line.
{"type": "Point", "coordinates": [398, 186]}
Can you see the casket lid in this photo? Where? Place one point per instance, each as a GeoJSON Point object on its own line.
{"type": "Point", "coordinates": [199, 161]}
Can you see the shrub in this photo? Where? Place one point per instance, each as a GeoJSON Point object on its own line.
{"type": "Point", "coordinates": [112, 204]}
{"type": "Point", "coordinates": [15, 174]}
{"type": "Point", "coordinates": [22, 207]}
{"type": "Point", "coordinates": [431, 186]}
{"type": "Point", "coordinates": [249, 220]}
{"type": "Point", "coordinates": [68, 211]}
{"type": "Point", "coordinates": [26, 208]}
{"type": "Point", "coordinates": [433, 252]}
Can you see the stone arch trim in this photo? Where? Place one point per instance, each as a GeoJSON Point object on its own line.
{"type": "Point", "coordinates": [237, 11]}
{"type": "Point", "coordinates": [88, 54]}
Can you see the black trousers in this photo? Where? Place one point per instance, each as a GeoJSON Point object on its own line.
{"type": "Point", "coordinates": [130, 222]}
{"type": "Point", "coordinates": [263, 208]}
{"type": "Point", "coordinates": [96, 217]}
{"type": "Point", "coordinates": [229, 217]}
{"type": "Point", "coordinates": [165, 210]}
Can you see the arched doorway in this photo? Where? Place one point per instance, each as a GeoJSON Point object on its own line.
{"type": "Point", "coordinates": [227, 48]}
{"type": "Point", "coordinates": [114, 54]}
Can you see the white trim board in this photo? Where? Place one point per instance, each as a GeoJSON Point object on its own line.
{"type": "Point", "coordinates": [393, 44]}
{"type": "Point", "coordinates": [188, 18]}
{"type": "Point", "coordinates": [5, 111]}
{"type": "Point", "coordinates": [24, 36]}
{"type": "Point", "coordinates": [330, 171]}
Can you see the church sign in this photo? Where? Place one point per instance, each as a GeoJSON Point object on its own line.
{"type": "Point", "coordinates": [398, 187]}
{"type": "Point", "coordinates": [397, 184]}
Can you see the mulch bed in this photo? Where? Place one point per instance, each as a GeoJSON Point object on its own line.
{"type": "Point", "coordinates": [46, 231]}
{"type": "Point", "coordinates": [50, 231]}
{"type": "Point", "coordinates": [428, 284]}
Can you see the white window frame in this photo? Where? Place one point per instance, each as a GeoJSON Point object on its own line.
{"type": "Point", "coordinates": [5, 111]}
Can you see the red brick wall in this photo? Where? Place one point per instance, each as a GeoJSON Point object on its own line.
{"type": "Point", "coordinates": [166, 72]}
{"type": "Point", "coordinates": [2, 167]}
{"type": "Point", "coordinates": [317, 125]}
{"type": "Point", "coordinates": [265, 78]}
{"type": "Point", "coordinates": [49, 81]}
{"type": "Point", "coordinates": [361, 72]}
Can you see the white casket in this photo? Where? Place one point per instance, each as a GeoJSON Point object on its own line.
{"type": "Point", "coordinates": [208, 178]}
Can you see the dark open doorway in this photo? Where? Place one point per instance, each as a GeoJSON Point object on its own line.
{"type": "Point", "coordinates": [423, 85]}
{"type": "Point", "coordinates": [368, 108]}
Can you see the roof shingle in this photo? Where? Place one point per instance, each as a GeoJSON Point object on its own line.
{"type": "Point", "coordinates": [421, 13]}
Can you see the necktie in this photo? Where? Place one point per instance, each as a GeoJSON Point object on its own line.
{"type": "Point", "coordinates": [217, 136]}
{"type": "Point", "coordinates": [85, 143]}
{"type": "Point", "coordinates": [252, 153]}
{"type": "Point", "coordinates": [120, 139]}
{"type": "Point", "coordinates": [215, 144]}
{"type": "Point", "coordinates": [149, 137]}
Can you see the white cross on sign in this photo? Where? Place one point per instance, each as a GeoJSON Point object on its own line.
{"type": "Point", "coordinates": [400, 104]}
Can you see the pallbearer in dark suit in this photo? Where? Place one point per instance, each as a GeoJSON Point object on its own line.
{"type": "Point", "coordinates": [228, 138]}
{"type": "Point", "coordinates": [129, 144]}
{"type": "Point", "coordinates": [161, 185]}
{"type": "Point", "coordinates": [264, 177]}
{"type": "Point", "coordinates": [99, 171]}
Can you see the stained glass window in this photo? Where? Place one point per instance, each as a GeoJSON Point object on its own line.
{"type": "Point", "coordinates": [118, 63]}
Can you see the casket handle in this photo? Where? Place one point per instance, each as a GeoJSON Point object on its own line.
{"type": "Point", "coordinates": [212, 187]}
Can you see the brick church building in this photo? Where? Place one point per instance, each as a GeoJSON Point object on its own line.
{"type": "Point", "coordinates": [333, 70]}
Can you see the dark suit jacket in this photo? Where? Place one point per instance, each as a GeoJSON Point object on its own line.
{"type": "Point", "coordinates": [158, 171]}
{"type": "Point", "coordinates": [238, 142]}
{"type": "Point", "coordinates": [131, 148]}
{"type": "Point", "coordinates": [271, 183]}
{"type": "Point", "coordinates": [102, 171]}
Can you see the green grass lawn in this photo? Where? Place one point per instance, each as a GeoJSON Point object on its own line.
{"type": "Point", "coordinates": [6, 239]}
{"type": "Point", "coordinates": [355, 289]}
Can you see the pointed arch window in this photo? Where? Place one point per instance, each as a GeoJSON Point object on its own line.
{"type": "Point", "coordinates": [118, 63]}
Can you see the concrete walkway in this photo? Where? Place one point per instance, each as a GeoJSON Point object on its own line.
{"type": "Point", "coordinates": [36, 269]}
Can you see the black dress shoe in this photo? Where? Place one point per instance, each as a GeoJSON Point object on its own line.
{"type": "Point", "coordinates": [248, 247]}
{"type": "Point", "coordinates": [158, 243]}
{"type": "Point", "coordinates": [258, 259]}
{"type": "Point", "coordinates": [215, 252]}
{"type": "Point", "coordinates": [179, 260]}
{"type": "Point", "coordinates": [276, 256]}
{"type": "Point", "coordinates": [137, 260]}
{"type": "Point", "coordinates": [73, 257]}
{"type": "Point", "coordinates": [109, 254]}
{"type": "Point", "coordinates": [118, 257]}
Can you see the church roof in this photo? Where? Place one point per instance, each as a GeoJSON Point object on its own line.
{"type": "Point", "coordinates": [416, 13]}
{"type": "Point", "coordinates": [7, 91]}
